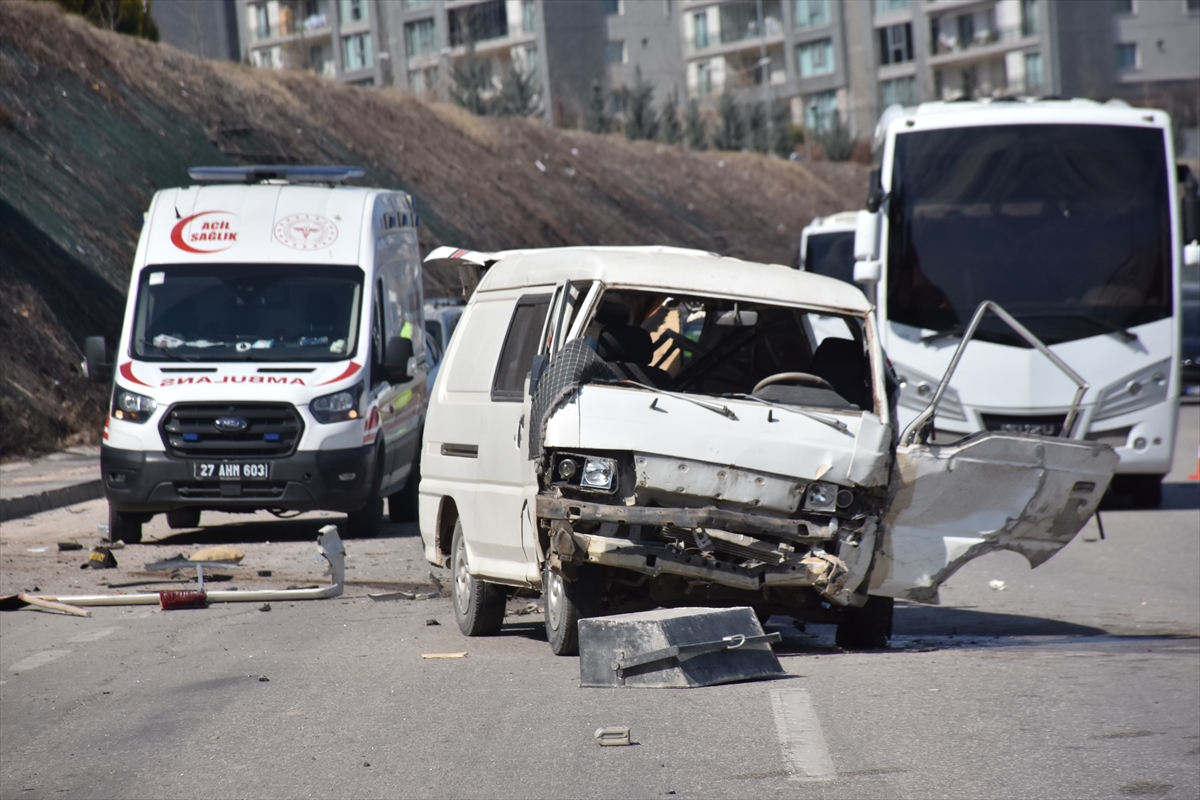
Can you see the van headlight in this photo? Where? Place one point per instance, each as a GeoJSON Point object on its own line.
{"type": "Point", "coordinates": [336, 407]}
{"type": "Point", "coordinates": [132, 407]}
{"type": "Point", "coordinates": [917, 389]}
{"type": "Point", "coordinates": [589, 473]}
{"type": "Point", "coordinates": [1140, 390]}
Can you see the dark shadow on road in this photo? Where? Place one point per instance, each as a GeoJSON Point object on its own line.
{"type": "Point", "coordinates": [916, 620]}
{"type": "Point", "coordinates": [282, 530]}
{"type": "Point", "coordinates": [1175, 497]}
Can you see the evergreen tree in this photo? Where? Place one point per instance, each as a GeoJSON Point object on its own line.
{"type": "Point", "coordinates": [471, 78]}
{"type": "Point", "coordinates": [595, 119]}
{"type": "Point", "coordinates": [695, 127]}
{"type": "Point", "coordinates": [781, 129]}
{"type": "Point", "coordinates": [670, 127]}
{"type": "Point", "coordinates": [518, 94]}
{"type": "Point", "coordinates": [758, 128]}
{"type": "Point", "coordinates": [836, 139]}
{"type": "Point", "coordinates": [731, 126]}
{"type": "Point", "coordinates": [641, 122]}
{"type": "Point", "coordinates": [130, 17]}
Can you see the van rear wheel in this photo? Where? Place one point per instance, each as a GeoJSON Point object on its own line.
{"type": "Point", "coordinates": [478, 605]}
{"type": "Point", "coordinates": [567, 602]}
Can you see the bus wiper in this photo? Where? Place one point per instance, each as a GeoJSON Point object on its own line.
{"type": "Point", "coordinates": [953, 332]}
{"type": "Point", "coordinates": [1127, 336]}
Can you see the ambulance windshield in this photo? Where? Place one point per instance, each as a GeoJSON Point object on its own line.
{"type": "Point", "coordinates": [247, 312]}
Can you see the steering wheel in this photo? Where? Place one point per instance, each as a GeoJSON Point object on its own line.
{"type": "Point", "coordinates": [806, 378]}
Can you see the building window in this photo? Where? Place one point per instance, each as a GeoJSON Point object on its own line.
{"type": "Point", "coordinates": [477, 23]}
{"type": "Point", "coordinates": [614, 52]}
{"type": "Point", "coordinates": [966, 30]}
{"type": "Point", "coordinates": [811, 13]}
{"type": "Point", "coordinates": [819, 111]}
{"type": "Point", "coordinates": [1029, 17]}
{"type": "Point", "coordinates": [1123, 6]}
{"type": "Point", "coordinates": [611, 7]}
{"type": "Point", "coordinates": [704, 79]}
{"type": "Point", "coordinates": [1033, 71]}
{"type": "Point", "coordinates": [898, 90]}
{"type": "Point", "coordinates": [895, 44]}
{"type": "Point", "coordinates": [531, 60]}
{"type": "Point", "coordinates": [356, 51]}
{"type": "Point", "coordinates": [262, 22]}
{"type": "Point", "coordinates": [412, 5]}
{"type": "Point", "coordinates": [700, 30]}
{"type": "Point", "coordinates": [421, 37]}
{"type": "Point", "coordinates": [815, 58]}
{"type": "Point", "coordinates": [353, 11]}
{"type": "Point", "coordinates": [528, 16]}
{"type": "Point", "coordinates": [1127, 56]}
{"type": "Point", "coordinates": [888, 6]}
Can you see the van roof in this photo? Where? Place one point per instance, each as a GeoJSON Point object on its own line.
{"type": "Point", "coordinates": [672, 269]}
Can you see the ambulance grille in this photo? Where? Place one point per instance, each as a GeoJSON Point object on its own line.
{"type": "Point", "coordinates": [190, 430]}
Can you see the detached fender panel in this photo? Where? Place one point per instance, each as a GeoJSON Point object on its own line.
{"type": "Point", "coordinates": [992, 491]}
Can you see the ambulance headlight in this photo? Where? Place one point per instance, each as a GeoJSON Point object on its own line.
{"type": "Point", "coordinates": [131, 407]}
{"type": "Point", "coordinates": [336, 407]}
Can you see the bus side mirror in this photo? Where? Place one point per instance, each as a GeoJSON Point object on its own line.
{"type": "Point", "coordinates": [396, 355]}
{"type": "Point", "coordinates": [866, 236]}
{"type": "Point", "coordinates": [96, 366]}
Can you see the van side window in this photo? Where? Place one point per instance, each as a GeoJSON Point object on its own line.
{"type": "Point", "coordinates": [520, 346]}
{"type": "Point", "coordinates": [378, 341]}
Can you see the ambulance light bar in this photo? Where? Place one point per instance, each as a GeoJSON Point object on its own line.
{"type": "Point", "coordinates": [289, 173]}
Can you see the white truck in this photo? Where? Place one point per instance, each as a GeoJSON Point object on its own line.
{"type": "Point", "coordinates": [272, 353]}
{"type": "Point", "coordinates": [1066, 214]}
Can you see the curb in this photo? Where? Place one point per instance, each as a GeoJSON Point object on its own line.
{"type": "Point", "coordinates": [16, 507]}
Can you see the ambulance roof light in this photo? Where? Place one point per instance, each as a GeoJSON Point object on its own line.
{"type": "Point", "coordinates": [288, 173]}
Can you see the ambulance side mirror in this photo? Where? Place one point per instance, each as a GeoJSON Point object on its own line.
{"type": "Point", "coordinates": [396, 357]}
{"type": "Point", "coordinates": [97, 367]}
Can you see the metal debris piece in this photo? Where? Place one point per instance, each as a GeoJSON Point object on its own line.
{"type": "Point", "coordinates": [612, 737]}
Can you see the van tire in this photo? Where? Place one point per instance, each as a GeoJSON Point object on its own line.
{"type": "Point", "coordinates": [365, 523]}
{"type": "Point", "coordinates": [124, 526]}
{"type": "Point", "coordinates": [565, 603]}
{"type": "Point", "coordinates": [478, 605]}
{"type": "Point", "coordinates": [183, 518]}
{"type": "Point", "coordinates": [868, 627]}
{"type": "Point", "coordinates": [403, 505]}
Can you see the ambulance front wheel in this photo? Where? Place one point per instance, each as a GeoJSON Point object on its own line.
{"type": "Point", "coordinates": [125, 526]}
{"type": "Point", "coordinates": [365, 523]}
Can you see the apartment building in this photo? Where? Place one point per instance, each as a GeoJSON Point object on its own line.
{"type": "Point", "coordinates": [642, 37]}
{"type": "Point", "coordinates": [206, 28]}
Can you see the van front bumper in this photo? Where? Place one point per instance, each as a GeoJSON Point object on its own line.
{"type": "Point", "coordinates": [314, 480]}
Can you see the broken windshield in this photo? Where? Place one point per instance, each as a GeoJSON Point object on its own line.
{"type": "Point", "coordinates": [247, 312]}
{"type": "Point", "coordinates": [1065, 226]}
{"type": "Point", "coordinates": [727, 347]}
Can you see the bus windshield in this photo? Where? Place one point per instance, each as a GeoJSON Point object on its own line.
{"type": "Point", "coordinates": [247, 312]}
{"type": "Point", "coordinates": [831, 255]}
{"type": "Point", "coordinates": [1065, 226]}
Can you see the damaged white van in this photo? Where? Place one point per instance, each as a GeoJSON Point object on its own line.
{"type": "Point", "coordinates": [627, 428]}
{"type": "Point", "coordinates": [272, 353]}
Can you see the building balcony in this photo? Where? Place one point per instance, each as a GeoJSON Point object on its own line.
{"type": "Point", "coordinates": [291, 29]}
{"type": "Point", "coordinates": [950, 48]}
{"type": "Point", "coordinates": [737, 28]}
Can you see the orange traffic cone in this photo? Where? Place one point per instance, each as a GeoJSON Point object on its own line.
{"type": "Point", "coordinates": [1195, 476]}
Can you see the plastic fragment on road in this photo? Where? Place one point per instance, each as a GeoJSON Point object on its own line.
{"type": "Point", "coordinates": [612, 737]}
{"type": "Point", "coordinates": [443, 655]}
{"type": "Point", "coordinates": [997, 585]}
{"type": "Point", "coordinates": [221, 552]}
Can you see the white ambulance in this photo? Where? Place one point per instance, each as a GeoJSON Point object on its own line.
{"type": "Point", "coordinates": [272, 354]}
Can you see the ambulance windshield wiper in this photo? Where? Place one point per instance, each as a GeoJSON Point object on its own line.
{"type": "Point", "coordinates": [168, 351]}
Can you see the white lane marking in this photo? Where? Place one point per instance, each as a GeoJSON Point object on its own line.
{"type": "Point", "coordinates": [800, 736]}
{"type": "Point", "coordinates": [92, 636]}
{"type": "Point", "coordinates": [38, 659]}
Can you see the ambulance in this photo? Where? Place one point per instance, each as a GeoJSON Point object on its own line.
{"type": "Point", "coordinates": [272, 355]}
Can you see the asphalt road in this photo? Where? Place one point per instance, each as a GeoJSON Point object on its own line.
{"type": "Point", "coordinates": [1079, 679]}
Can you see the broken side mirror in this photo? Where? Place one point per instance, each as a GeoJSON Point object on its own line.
{"type": "Point", "coordinates": [97, 367]}
{"type": "Point", "coordinates": [396, 358]}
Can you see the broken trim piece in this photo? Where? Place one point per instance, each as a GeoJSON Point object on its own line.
{"type": "Point", "coordinates": [329, 545]}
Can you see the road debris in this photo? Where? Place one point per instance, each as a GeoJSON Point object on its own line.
{"type": "Point", "coordinates": [612, 737]}
{"type": "Point", "coordinates": [997, 585]}
{"type": "Point", "coordinates": [264, 573]}
{"type": "Point", "coordinates": [432, 621]}
{"type": "Point", "coordinates": [443, 655]}
{"type": "Point", "coordinates": [178, 599]}
{"type": "Point", "coordinates": [64, 546]}
{"type": "Point", "coordinates": [402, 595]}
{"type": "Point", "coordinates": [21, 600]}
{"type": "Point", "coordinates": [222, 552]}
{"type": "Point", "coordinates": [101, 558]}
{"type": "Point", "coordinates": [263, 679]}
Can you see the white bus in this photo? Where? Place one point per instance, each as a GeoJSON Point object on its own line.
{"type": "Point", "coordinates": [1066, 214]}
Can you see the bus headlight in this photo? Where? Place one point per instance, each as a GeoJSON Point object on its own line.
{"type": "Point", "coordinates": [917, 389]}
{"type": "Point", "coordinates": [1140, 390]}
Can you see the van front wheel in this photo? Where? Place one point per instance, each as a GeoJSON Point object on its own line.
{"type": "Point", "coordinates": [478, 605]}
{"type": "Point", "coordinates": [567, 602]}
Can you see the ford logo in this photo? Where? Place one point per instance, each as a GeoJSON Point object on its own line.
{"type": "Point", "coordinates": [231, 424]}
